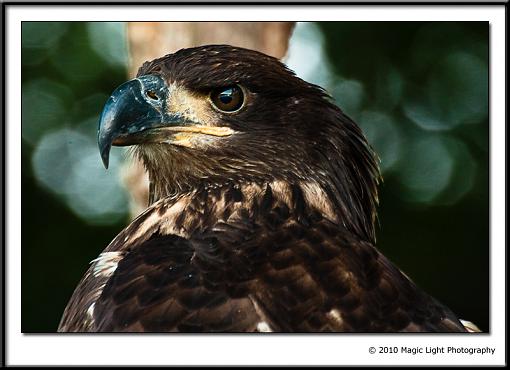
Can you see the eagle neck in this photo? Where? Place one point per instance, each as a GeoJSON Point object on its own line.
{"type": "Point", "coordinates": [246, 201]}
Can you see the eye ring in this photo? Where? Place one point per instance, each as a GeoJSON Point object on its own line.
{"type": "Point", "coordinates": [151, 94]}
{"type": "Point", "coordinates": [228, 99]}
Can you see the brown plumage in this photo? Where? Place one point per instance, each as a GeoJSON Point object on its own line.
{"type": "Point", "coordinates": [261, 218]}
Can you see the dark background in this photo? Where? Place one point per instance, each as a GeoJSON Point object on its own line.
{"type": "Point", "coordinates": [418, 90]}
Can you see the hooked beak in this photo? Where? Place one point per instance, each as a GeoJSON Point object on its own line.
{"type": "Point", "coordinates": [133, 108]}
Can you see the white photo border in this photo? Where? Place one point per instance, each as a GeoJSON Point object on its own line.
{"type": "Point", "coordinates": [236, 349]}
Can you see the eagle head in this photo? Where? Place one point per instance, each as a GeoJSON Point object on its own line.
{"type": "Point", "coordinates": [217, 114]}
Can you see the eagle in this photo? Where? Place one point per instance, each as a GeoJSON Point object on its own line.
{"type": "Point", "coordinates": [262, 205]}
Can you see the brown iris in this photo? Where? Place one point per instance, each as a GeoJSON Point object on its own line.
{"type": "Point", "coordinates": [228, 99]}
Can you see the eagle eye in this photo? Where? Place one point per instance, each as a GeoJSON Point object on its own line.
{"type": "Point", "coordinates": [228, 99]}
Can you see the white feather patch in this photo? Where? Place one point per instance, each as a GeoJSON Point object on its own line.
{"type": "Point", "coordinates": [470, 327]}
{"type": "Point", "coordinates": [335, 316]}
{"type": "Point", "coordinates": [316, 198]}
{"type": "Point", "coordinates": [90, 310]}
{"type": "Point", "coordinates": [106, 264]}
{"type": "Point", "coordinates": [263, 327]}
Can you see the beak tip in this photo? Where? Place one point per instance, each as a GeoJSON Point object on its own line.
{"type": "Point", "coordinates": [105, 156]}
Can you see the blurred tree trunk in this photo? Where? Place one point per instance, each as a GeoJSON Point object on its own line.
{"type": "Point", "coordinates": [150, 40]}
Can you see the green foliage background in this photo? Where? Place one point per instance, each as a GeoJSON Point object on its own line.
{"type": "Point", "coordinates": [418, 90]}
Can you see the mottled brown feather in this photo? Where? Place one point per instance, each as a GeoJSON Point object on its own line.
{"type": "Point", "coordinates": [231, 276]}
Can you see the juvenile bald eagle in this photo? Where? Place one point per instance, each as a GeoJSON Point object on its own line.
{"type": "Point", "coordinates": [263, 197]}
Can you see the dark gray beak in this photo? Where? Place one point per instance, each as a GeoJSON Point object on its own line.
{"type": "Point", "coordinates": [134, 107]}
